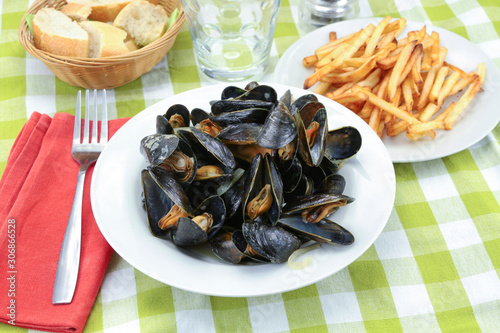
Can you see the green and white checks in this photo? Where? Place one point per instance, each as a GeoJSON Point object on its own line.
{"type": "Point", "coordinates": [434, 268]}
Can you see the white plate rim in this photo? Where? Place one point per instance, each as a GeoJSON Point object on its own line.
{"type": "Point", "coordinates": [401, 149]}
{"type": "Point", "coordinates": [115, 214]}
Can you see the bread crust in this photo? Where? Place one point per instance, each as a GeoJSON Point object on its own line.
{"type": "Point", "coordinates": [58, 43]}
{"type": "Point", "coordinates": [103, 12]}
{"type": "Point", "coordinates": [109, 39]}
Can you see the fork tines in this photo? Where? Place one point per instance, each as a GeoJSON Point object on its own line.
{"type": "Point", "coordinates": [103, 138]}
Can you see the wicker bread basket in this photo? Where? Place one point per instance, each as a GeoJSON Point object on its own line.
{"type": "Point", "coordinates": [108, 72]}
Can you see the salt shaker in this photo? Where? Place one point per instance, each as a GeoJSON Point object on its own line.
{"type": "Point", "coordinates": [314, 14]}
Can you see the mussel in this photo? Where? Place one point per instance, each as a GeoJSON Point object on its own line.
{"type": "Point", "coordinates": [255, 177]}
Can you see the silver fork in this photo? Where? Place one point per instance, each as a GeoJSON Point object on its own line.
{"type": "Point", "coordinates": [84, 152]}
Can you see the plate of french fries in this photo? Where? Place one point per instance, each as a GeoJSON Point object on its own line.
{"type": "Point", "coordinates": [426, 91]}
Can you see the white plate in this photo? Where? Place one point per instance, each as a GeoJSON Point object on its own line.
{"type": "Point", "coordinates": [116, 203]}
{"type": "Point", "coordinates": [478, 119]}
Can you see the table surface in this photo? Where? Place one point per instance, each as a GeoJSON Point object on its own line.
{"type": "Point", "coordinates": [435, 267]}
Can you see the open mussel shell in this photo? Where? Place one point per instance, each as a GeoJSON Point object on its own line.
{"type": "Point", "coordinates": [325, 231]}
{"type": "Point", "coordinates": [178, 116]}
{"type": "Point", "coordinates": [299, 103]}
{"type": "Point", "coordinates": [182, 163]}
{"type": "Point", "coordinates": [156, 202]}
{"type": "Point", "coordinates": [171, 187]}
{"type": "Point", "coordinates": [279, 128]}
{"type": "Point", "coordinates": [287, 99]}
{"type": "Point", "coordinates": [263, 174]}
{"type": "Point", "coordinates": [272, 242]}
{"type": "Point", "coordinates": [163, 126]}
{"type": "Point", "coordinates": [189, 233]}
{"type": "Point", "coordinates": [254, 115]}
{"type": "Point", "coordinates": [226, 245]}
{"type": "Point", "coordinates": [158, 147]}
{"type": "Point", "coordinates": [308, 202]}
{"type": "Point", "coordinates": [229, 105]}
{"type": "Point", "coordinates": [208, 147]}
{"type": "Point", "coordinates": [240, 134]}
{"type": "Point", "coordinates": [312, 113]}
{"type": "Point", "coordinates": [342, 144]}
{"type": "Point", "coordinates": [198, 115]}
{"type": "Point", "coordinates": [332, 184]}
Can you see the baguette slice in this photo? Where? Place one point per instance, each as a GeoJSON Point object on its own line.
{"type": "Point", "coordinates": [105, 39]}
{"type": "Point", "coordinates": [56, 33]}
{"type": "Point", "coordinates": [103, 10]}
{"type": "Point", "coordinates": [76, 11]}
{"type": "Point", "coordinates": [143, 21]}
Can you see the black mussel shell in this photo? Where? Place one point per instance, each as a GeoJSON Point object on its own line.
{"type": "Point", "coordinates": [312, 156]}
{"type": "Point", "coordinates": [181, 110]}
{"type": "Point", "coordinates": [287, 99]}
{"type": "Point", "coordinates": [207, 147]}
{"type": "Point", "coordinates": [198, 115]}
{"type": "Point", "coordinates": [279, 128]}
{"type": "Point", "coordinates": [229, 105]}
{"type": "Point", "coordinates": [313, 200]}
{"type": "Point", "coordinates": [231, 92]}
{"type": "Point", "coordinates": [342, 143]}
{"type": "Point", "coordinates": [171, 187]}
{"type": "Point", "coordinates": [325, 231]}
{"type": "Point", "coordinates": [254, 115]}
{"type": "Point", "coordinates": [292, 176]}
{"type": "Point", "coordinates": [225, 248]}
{"type": "Point", "coordinates": [188, 233]}
{"type": "Point", "coordinates": [273, 177]}
{"type": "Point", "coordinates": [157, 147]}
{"type": "Point", "coordinates": [240, 134]}
{"type": "Point", "coordinates": [216, 207]}
{"type": "Point", "coordinates": [299, 103]}
{"type": "Point", "coordinates": [183, 177]}
{"type": "Point", "coordinates": [333, 184]}
{"type": "Point", "coordinates": [156, 202]}
{"type": "Point", "coordinates": [272, 242]}
{"type": "Point", "coordinates": [163, 126]}
{"type": "Point", "coordinates": [260, 93]}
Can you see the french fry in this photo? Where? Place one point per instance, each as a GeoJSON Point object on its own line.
{"type": "Point", "coordinates": [352, 48]}
{"type": "Point", "coordinates": [464, 82]}
{"type": "Point", "coordinates": [447, 86]}
{"type": "Point", "coordinates": [407, 92]}
{"type": "Point", "coordinates": [438, 83]}
{"type": "Point", "coordinates": [388, 107]}
{"type": "Point", "coordinates": [355, 75]}
{"type": "Point", "coordinates": [429, 80]}
{"type": "Point", "coordinates": [395, 85]}
{"type": "Point", "coordinates": [322, 88]}
{"type": "Point", "coordinates": [349, 97]}
{"type": "Point", "coordinates": [309, 60]}
{"type": "Point", "coordinates": [399, 67]}
{"type": "Point", "coordinates": [428, 112]}
{"type": "Point", "coordinates": [374, 38]}
{"type": "Point", "coordinates": [467, 97]}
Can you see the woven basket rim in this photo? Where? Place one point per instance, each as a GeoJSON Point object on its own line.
{"type": "Point", "coordinates": [26, 40]}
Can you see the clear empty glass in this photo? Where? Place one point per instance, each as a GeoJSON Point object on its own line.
{"type": "Point", "coordinates": [232, 39]}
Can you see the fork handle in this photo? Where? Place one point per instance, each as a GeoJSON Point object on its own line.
{"type": "Point", "coordinates": [69, 257]}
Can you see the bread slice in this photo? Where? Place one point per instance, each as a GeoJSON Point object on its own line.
{"type": "Point", "coordinates": [103, 10]}
{"type": "Point", "coordinates": [76, 11]}
{"type": "Point", "coordinates": [56, 33]}
{"type": "Point", "coordinates": [143, 21]}
{"type": "Point", "coordinates": [105, 40]}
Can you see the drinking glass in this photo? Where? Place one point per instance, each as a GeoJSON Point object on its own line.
{"type": "Point", "coordinates": [232, 39]}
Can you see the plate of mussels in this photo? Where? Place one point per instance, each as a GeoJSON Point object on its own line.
{"type": "Point", "coordinates": [243, 190]}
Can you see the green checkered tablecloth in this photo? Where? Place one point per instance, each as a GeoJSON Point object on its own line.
{"type": "Point", "coordinates": [435, 267]}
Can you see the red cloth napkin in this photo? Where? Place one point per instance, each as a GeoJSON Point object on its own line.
{"type": "Point", "coordinates": [36, 194]}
